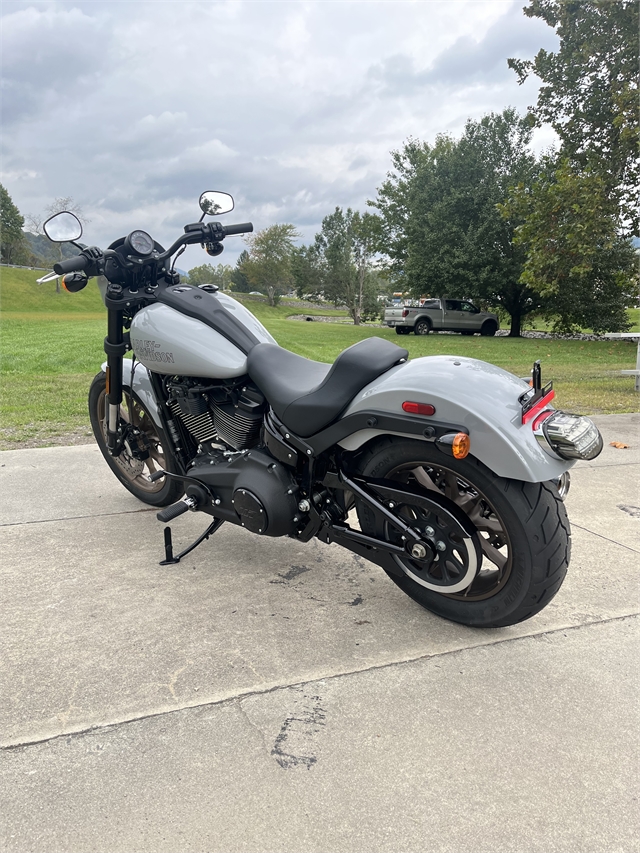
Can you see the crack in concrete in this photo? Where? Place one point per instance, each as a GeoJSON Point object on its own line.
{"type": "Point", "coordinates": [78, 517]}
{"type": "Point", "coordinates": [608, 465]}
{"type": "Point", "coordinates": [300, 684]}
{"type": "Point", "coordinates": [606, 538]}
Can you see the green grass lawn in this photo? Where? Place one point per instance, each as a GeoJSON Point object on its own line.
{"type": "Point", "coordinates": [51, 347]}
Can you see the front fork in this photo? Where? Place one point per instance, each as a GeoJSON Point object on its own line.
{"type": "Point", "coordinates": [115, 348]}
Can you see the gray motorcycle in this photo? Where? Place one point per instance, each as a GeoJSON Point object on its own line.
{"type": "Point", "coordinates": [447, 472]}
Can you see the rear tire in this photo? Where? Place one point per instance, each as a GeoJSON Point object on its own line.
{"type": "Point", "coordinates": [133, 473]}
{"type": "Point", "coordinates": [422, 327]}
{"type": "Point", "coordinates": [402, 331]}
{"type": "Point", "coordinates": [522, 532]}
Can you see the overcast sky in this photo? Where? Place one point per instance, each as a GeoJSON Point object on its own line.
{"type": "Point", "coordinates": [134, 108]}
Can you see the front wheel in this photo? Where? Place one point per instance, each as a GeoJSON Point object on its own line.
{"type": "Point", "coordinates": [133, 473]}
{"type": "Point", "coordinates": [488, 329]}
{"type": "Point", "coordinates": [522, 536]}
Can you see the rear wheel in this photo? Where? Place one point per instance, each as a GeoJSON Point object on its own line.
{"type": "Point", "coordinates": [402, 330]}
{"type": "Point", "coordinates": [133, 473]}
{"type": "Point", "coordinates": [522, 538]}
{"type": "Point", "coordinates": [422, 327]}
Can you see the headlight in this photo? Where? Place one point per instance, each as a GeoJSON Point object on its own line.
{"type": "Point", "coordinates": [569, 436]}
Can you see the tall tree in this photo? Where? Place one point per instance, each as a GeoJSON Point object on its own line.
{"type": "Point", "coordinates": [268, 266]}
{"type": "Point", "coordinates": [239, 282]}
{"type": "Point", "coordinates": [308, 272]}
{"type": "Point", "coordinates": [442, 227]}
{"type": "Point", "coordinates": [584, 270]}
{"type": "Point", "coordinates": [344, 250]}
{"type": "Point", "coordinates": [365, 237]}
{"type": "Point", "coordinates": [333, 245]}
{"type": "Point", "coordinates": [589, 91]}
{"type": "Point", "coordinates": [13, 247]}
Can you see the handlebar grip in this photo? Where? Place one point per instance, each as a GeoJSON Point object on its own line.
{"type": "Point", "coordinates": [244, 228]}
{"type": "Point", "coordinates": [76, 264]}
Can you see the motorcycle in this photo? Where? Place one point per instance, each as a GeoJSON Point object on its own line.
{"type": "Point", "coordinates": [447, 472]}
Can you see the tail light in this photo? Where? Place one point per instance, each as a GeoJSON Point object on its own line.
{"type": "Point", "coordinates": [568, 436]}
{"type": "Point", "coordinates": [405, 312]}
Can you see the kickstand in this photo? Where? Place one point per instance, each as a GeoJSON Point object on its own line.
{"type": "Point", "coordinates": [168, 544]}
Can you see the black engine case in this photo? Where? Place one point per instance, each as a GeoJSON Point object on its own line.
{"type": "Point", "coordinates": [254, 491]}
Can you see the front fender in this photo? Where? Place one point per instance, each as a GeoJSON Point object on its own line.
{"type": "Point", "coordinates": [472, 394]}
{"type": "Point", "coordinates": [141, 388]}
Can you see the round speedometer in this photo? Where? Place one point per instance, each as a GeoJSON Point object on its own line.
{"type": "Point", "coordinates": [140, 242]}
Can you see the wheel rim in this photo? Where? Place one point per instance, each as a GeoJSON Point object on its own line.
{"type": "Point", "coordinates": [422, 328]}
{"type": "Point", "coordinates": [136, 471]}
{"type": "Point", "coordinates": [494, 543]}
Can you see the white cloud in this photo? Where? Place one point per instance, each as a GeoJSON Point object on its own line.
{"type": "Point", "coordinates": [134, 107]}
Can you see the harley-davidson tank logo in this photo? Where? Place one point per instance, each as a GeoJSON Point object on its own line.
{"type": "Point", "coordinates": [150, 351]}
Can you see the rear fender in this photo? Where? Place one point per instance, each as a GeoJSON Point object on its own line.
{"type": "Point", "coordinates": [472, 394]}
{"type": "Point", "coordinates": [141, 388]}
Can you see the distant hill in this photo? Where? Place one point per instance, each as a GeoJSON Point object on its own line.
{"type": "Point", "coordinates": [45, 252]}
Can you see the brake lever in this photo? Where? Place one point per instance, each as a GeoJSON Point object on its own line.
{"type": "Point", "coordinates": [50, 276]}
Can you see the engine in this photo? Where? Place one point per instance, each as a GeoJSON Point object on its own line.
{"type": "Point", "coordinates": [223, 420]}
{"type": "Point", "coordinates": [231, 412]}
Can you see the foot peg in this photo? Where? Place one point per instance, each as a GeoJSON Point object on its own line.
{"type": "Point", "coordinates": [176, 509]}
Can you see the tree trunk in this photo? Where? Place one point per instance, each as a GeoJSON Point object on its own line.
{"type": "Point", "coordinates": [516, 325]}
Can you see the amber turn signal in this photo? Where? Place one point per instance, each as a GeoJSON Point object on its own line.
{"type": "Point", "coordinates": [461, 445]}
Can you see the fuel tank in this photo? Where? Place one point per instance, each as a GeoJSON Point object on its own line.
{"type": "Point", "coordinates": [170, 342]}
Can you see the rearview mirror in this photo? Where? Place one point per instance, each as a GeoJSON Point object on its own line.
{"type": "Point", "coordinates": [215, 203]}
{"type": "Point", "coordinates": [63, 227]}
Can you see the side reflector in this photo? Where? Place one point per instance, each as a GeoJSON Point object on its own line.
{"type": "Point", "coordinates": [461, 445]}
{"type": "Point", "coordinates": [419, 408]}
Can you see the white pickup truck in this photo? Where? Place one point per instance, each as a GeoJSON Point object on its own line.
{"type": "Point", "coordinates": [441, 315]}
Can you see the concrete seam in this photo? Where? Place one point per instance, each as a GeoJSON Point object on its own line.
{"type": "Point", "coordinates": [78, 517]}
{"type": "Point", "coordinates": [249, 694]}
{"type": "Point", "coordinates": [606, 538]}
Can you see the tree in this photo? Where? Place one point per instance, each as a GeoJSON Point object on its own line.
{"type": "Point", "coordinates": [343, 256]}
{"type": "Point", "coordinates": [442, 229]}
{"type": "Point", "coordinates": [13, 247]}
{"type": "Point", "coordinates": [365, 237]}
{"type": "Point", "coordinates": [589, 92]}
{"type": "Point", "coordinates": [239, 282]}
{"type": "Point", "coordinates": [220, 274]}
{"type": "Point", "coordinates": [268, 267]}
{"type": "Point", "coordinates": [576, 259]}
{"type": "Point", "coordinates": [308, 272]}
{"type": "Point", "coordinates": [333, 247]}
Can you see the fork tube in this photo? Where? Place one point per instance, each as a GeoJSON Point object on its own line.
{"type": "Point", "coordinates": [115, 348]}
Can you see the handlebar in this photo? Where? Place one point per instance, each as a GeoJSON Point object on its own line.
{"type": "Point", "coordinates": [198, 232]}
{"type": "Point", "coordinates": [78, 263]}
{"type": "Point", "coordinates": [244, 228]}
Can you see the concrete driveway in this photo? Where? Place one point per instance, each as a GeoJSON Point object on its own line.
{"type": "Point", "coordinates": [267, 696]}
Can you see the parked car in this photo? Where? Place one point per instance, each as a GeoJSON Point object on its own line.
{"type": "Point", "coordinates": [441, 315]}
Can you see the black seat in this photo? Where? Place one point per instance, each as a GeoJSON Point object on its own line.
{"type": "Point", "coordinates": [308, 395]}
